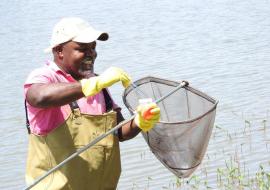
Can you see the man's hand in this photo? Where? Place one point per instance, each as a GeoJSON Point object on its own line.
{"type": "Point", "coordinates": [147, 116]}
{"type": "Point", "coordinates": [112, 75]}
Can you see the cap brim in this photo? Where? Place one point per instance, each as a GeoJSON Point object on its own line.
{"type": "Point", "coordinates": [103, 37]}
{"type": "Point", "coordinates": [89, 35]}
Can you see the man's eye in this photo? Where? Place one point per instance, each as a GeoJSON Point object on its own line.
{"type": "Point", "coordinates": [81, 49]}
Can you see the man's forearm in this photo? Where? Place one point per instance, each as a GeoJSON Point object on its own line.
{"type": "Point", "coordinates": [128, 131]}
{"type": "Point", "coordinates": [51, 95]}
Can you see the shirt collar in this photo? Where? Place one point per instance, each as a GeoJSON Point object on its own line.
{"type": "Point", "coordinates": [55, 68]}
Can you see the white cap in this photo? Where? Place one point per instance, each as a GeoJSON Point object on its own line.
{"type": "Point", "coordinates": [75, 29]}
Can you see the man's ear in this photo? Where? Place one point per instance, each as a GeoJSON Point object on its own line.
{"type": "Point", "coordinates": [59, 51]}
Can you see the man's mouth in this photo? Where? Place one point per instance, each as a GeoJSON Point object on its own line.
{"type": "Point", "coordinates": [87, 67]}
{"type": "Point", "coordinates": [88, 61]}
{"type": "Point", "coordinates": [88, 64]}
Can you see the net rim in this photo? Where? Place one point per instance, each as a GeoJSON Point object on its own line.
{"type": "Point", "coordinates": [148, 79]}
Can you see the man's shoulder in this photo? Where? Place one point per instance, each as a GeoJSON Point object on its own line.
{"type": "Point", "coordinates": [48, 68]}
{"type": "Point", "coordinates": [40, 74]}
{"type": "Point", "coordinates": [41, 70]}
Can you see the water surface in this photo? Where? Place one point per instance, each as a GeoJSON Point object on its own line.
{"type": "Point", "coordinates": [220, 47]}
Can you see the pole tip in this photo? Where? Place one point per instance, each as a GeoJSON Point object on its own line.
{"type": "Point", "coordinates": [185, 83]}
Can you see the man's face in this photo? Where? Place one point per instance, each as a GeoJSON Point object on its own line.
{"type": "Point", "coordinates": [78, 59]}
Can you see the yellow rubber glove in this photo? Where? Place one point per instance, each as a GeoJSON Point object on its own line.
{"type": "Point", "coordinates": [112, 75]}
{"type": "Point", "coordinates": [147, 116]}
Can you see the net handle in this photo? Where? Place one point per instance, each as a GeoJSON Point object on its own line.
{"type": "Point", "coordinates": [181, 85]}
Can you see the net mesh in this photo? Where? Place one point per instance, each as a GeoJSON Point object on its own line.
{"type": "Point", "coordinates": [181, 137]}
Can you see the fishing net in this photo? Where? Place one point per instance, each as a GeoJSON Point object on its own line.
{"type": "Point", "coordinates": [181, 137]}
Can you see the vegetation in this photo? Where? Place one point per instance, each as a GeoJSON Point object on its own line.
{"type": "Point", "coordinates": [234, 173]}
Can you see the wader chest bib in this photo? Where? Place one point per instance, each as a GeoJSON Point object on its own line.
{"type": "Point", "coordinates": [98, 168]}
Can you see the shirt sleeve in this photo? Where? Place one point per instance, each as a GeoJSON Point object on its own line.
{"type": "Point", "coordinates": [38, 76]}
{"type": "Point", "coordinates": [41, 75]}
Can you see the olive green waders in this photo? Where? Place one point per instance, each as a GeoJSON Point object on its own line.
{"type": "Point", "coordinates": [98, 168]}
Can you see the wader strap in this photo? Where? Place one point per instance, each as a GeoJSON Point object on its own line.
{"type": "Point", "coordinates": [109, 107]}
{"type": "Point", "coordinates": [73, 105]}
{"type": "Point", "coordinates": [26, 116]}
{"type": "Point", "coordinates": [76, 111]}
{"type": "Point", "coordinates": [108, 102]}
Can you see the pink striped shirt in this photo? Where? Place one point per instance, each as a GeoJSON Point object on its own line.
{"type": "Point", "coordinates": [44, 120]}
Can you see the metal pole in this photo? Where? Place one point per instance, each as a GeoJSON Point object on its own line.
{"type": "Point", "coordinates": [181, 85]}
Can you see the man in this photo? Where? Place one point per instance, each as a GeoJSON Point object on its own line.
{"type": "Point", "coordinates": [68, 106]}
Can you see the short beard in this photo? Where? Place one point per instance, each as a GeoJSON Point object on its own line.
{"type": "Point", "coordinates": [86, 73]}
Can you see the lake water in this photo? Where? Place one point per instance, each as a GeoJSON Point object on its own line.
{"type": "Point", "coordinates": [220, 47]}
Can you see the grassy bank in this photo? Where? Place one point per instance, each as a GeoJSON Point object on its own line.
{"type": "Point", "coordinates": [235, 160]}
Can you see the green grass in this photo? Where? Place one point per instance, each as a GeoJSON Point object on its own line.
{"type": "Point", "coordinates": [234, 173]}
{"type": "Point", "coordinates": [230, 177]}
